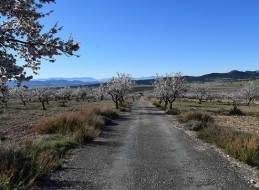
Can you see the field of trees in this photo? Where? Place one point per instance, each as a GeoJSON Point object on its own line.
{"type": "Point", "coordinates": [67, 117]}
{"type": "Point", "coordinates": [39, 126]}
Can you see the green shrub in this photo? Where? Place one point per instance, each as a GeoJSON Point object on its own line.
{"type": "Point", "coordinates": [84, 136]}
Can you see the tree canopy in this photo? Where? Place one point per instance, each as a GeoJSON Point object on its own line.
{"type": "Point", "coordinates": [23, 37]}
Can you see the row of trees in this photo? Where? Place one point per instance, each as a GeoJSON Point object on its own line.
{"type": "Point", "coordinates": [117, 88]}
{"type": "Point", "coordinates": [172, 86]}
{"type": "Point", "coordinates": [43, 95]}
{"type": "Point", "coordinates": [166, 88]}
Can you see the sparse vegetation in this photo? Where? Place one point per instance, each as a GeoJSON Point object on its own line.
{"type": "Point", "coordinates": [22, 167]}
{"type": "Point", "coordinates": [240, 145]}
{"type": "Point", "coordinates": [236, 111]}
{"type": "Point", "coordinates": [173, 111]}
{"type": "Point", "coordinates": [236, 140]}
{"type": "Point", "coordinates": [196, 121]}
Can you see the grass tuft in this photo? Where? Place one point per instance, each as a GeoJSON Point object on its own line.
{"type": "Point", "coordinates": [173, 111]}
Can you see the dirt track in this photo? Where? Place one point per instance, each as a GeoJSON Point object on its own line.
{"type": "Point", "coordinates": [144, 151]}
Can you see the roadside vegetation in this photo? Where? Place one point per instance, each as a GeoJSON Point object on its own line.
{"type": "Point", "coordinates": [21, 167]}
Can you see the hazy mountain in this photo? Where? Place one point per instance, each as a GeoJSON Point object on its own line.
{"type": "Point", "coordinates": [77, 81]}
{"type": "Point", "coordinates": [82, 79]}
{"type": "Point", "coordinates": [58, 82]}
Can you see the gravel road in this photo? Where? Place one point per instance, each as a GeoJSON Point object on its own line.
{"type": "Point", "coordinates": [145, 151]}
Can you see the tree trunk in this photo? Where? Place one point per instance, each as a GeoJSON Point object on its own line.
{"type": "Point", "coordinates": [43, 105]}
{"type": "Point", "coordinates": [171, 106]}
{"type": "Point", "coordinates": [117, 104]}
{"type": "Point", "coordinates": [250, 99]}
{"type": "Point", "coordinates": [166, 103]}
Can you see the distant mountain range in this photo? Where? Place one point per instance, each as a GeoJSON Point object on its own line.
{"type": "Point", "coordinates": [84, 81]}
{"type": "Point", "coordinates": [227, 77]}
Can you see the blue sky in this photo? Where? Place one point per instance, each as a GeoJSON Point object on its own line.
{"type": "Point", "coordinates": [145, 37]}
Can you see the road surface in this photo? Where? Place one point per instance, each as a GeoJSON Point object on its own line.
{"type": "Point", "coordinates": [145, 151]}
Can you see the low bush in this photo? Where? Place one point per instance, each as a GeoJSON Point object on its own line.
{"type": "Point", "coordinates": [194, 125]}
{"type": "Point", "coordinates": [156, 103]}
{"type": "Point", "coordinates": [173, 111]}
{"type": "Point", "coordinates": [191, 116]}
{"type": "Point", "coordinates": [236, 112]}
{"type": "Point", "coordinates": [240, 145]}
{"type": "Point", "coordinates": [196, 121]}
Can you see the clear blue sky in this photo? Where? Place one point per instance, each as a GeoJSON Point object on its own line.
{"type": "Point", "coordinates": [145, 37]}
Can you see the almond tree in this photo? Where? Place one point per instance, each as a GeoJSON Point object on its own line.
{"type": "Point", "coordinates": [100, 92]}
{"type": "Point", "coordinates": [118, 87]}
{"type": "Point", "coordinates": [23, 93]}
{"type": "Point", "coordinates": [43, 95]}
{"type": "Point", "coordinates": [200, 92]}
{"type": "Point", "coordinates": [250, 91]}
{"type": "Point", "coordinates": [170, 87]}
{"type": "Point", "coordinates": [80, 93]}
{"type": "Point", "coordinates": [23, 37]}
{"type": "Point", "coordinates": [63, 94]}
{"type": "Point", "coordinates": [5, 95]}
{"type": "Point", "coordinates": [159, 88]}
{"type": "Point", "coordinates": [236, 98]}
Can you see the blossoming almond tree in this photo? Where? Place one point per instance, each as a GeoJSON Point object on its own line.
{"type": "Point", "coordinates": [200, 91]}
{"type": "Point", "coordinates": [23, 93]}
{"type": "Point", "coordinates": [169, 87]}
{"type": "Point", "coordinates": [250, 91]}
{"type": "Point", "coordinates": [100, 92]}
{"type": "Point", "coordinates": [23, 37]}
{"type": "Point", "coordinates": [118, 87]}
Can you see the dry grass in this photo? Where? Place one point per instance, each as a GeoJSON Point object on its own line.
{"type": "Point", "coordinates": [84, 124]}
{"type": "Point", "coordinates": [240, 145]}
{"type": "Point", "coordinates": [16, 121]}
{"type": "Point", "coordinates": [22, 166]}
